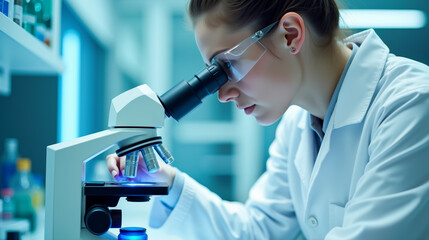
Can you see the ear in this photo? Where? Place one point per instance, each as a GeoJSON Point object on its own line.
{"type": "Point", "coordinates": [294, 31]}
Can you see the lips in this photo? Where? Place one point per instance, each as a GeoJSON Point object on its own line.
{"type": "Point", "coordinates": [249, 110]}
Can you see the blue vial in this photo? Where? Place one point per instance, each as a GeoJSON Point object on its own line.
{"type": "Point", "coordinates": [132, 233]}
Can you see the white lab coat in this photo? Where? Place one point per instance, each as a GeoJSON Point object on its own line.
{"type": "Point", "coordinates": [371, 176]}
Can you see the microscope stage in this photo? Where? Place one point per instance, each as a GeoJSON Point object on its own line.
{"type": "Point", "coordinates": [125, 189]}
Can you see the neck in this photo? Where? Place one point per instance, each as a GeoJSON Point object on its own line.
{"type": "Point", "coordinates": [321, 71]}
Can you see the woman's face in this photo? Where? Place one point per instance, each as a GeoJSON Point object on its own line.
{"type": "Point", "coordinates": [269, 88]}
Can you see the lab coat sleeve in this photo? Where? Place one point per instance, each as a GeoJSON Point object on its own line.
{"type": "Point", "coordinates": [268, 214]}
{"type": "Point", "coordinates": [391, 200]}
{"type": "Point", "coordinates": [165, 204]}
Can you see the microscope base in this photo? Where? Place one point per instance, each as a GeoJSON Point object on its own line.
{"type": "Point", "coordinates": [86, 235]}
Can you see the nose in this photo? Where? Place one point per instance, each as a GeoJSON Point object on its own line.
{"type": "Point", "coordinates": [228, 92]}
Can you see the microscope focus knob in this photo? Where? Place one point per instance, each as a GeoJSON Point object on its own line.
{"type": "Point", "coordinates": [116, 218]}
{"type": "Point", "coordinates": [98, 220]}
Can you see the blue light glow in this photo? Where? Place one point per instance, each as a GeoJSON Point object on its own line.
{"type": "Point", "coordinates": [69, 88]}
{"type": "Point", "coordinates": [132, 233]}
{"type": "Point", "coordinates": [382, 18]}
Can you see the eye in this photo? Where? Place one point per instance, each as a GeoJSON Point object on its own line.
{"type": "Point", "coordinates": [228, 64]}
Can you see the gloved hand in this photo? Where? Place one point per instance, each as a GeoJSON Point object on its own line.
{"type": "Point", "coordinates": [116, 166]}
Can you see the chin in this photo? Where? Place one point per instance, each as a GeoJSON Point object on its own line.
{"type": "Point", "coordinates": [266, 121]}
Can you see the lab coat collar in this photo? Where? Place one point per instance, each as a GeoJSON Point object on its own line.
{"type": "Point", "coordinates": [305, 154]}
{"type": "Point", "coordinates": [353, 102]}
{"type": "Point", "coordinates": [361, 78]}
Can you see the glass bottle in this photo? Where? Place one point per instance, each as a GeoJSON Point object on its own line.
{"type": "Point", "coordinates": [22, 185]}
{"type": "Point", "coordinates": [29, 16]}
{"type": "Point", "coordinates": [8, 205]}
{"type": "Point", "coordinates": [37, 193]}
{"type": "Point", "coordinates": [8, 163]}
{"type": "Point", "coordinates": [17, 12]}
{"type": "Point", "coordinates": [40, 27]}
{"type": "Point", "coordinates": [11, 8]}
{"type": "Point", "coordinates": [47, 16]}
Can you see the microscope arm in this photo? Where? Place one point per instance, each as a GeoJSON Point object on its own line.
{"type": "Point", "coordinates": [64, 176]}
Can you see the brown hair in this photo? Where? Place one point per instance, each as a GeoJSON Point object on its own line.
{"type": "Point", "coordinates": [323, 15]}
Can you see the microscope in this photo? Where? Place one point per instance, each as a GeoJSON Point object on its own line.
{"type": "Point", "coordinates": [77, 209]}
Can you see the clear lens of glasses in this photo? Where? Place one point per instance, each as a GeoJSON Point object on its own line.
{"type": "Point", "coordinates": [241, 59]}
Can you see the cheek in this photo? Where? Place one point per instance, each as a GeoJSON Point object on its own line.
{"type": "Point", "coordinates": [276, 70]}
{"type": "Point", "coordinates": [272, 84]}
{"type": "Point", "coordinates": [257, 78]}
{"type": "Point", "coordinates": [270, 77]}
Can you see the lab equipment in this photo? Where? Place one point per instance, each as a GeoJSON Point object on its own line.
{"type": "Point", "coordinates": [70, 211]}
{"type": "Point", "coordinates": [150, 160]}
{"type": "Point", "coordinates": [80, 210]}
{"type": "Point", "coordinates": [22, 184]}
{"type": "Point", "coordinates": [131, 162]}
{"type": "Point", "coordinates": [177, 102]}
{"type": "Point", "coordinates": [5, 7]}
{"type": "Point", "coordinates": [37, 193]}
{"type": "Point", "coordinates": [186, 95]}
{"type": "Point", "coordinates": [17, 12]}
{"type": "Point", "coordinates": [8, 205]}
{"type": "Point", "coordinates": [13, 235]}
{"type": "Point", "coordinates": [11, 227]}
{"type": "Point", "coordinates": [11, 7]}
{"type": "Point", "coordinates": [132, 233]}
{"type": "Point", "coordinates": [101, 195]}
{"type": "Point", "coordinates": [40, 27]}
{"type": "Point", "coordinates": [8, 164]}
{"type": "Point", "coordinates": [163, 153]}
{"type": "Point", "coordinates": [47, 15]}
{"type": "Point", "coordinates": [29, 16]}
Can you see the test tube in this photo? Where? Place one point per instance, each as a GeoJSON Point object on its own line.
{"type": "Point", "coordinates": [164, 153]}
{"type": "Point", "coordinates": [131, 164]}
{"type": "Point", "coordinates": [150, 159]}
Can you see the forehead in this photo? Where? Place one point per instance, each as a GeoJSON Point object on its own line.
{"type": "Point", "coordinates": [214, 39]}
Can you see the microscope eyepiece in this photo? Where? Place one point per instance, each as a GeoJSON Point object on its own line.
{"type": "Point", "coordinates": [186, 95]}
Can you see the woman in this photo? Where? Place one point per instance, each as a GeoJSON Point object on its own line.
{"type": "Point", "coordinates": [351, 157]}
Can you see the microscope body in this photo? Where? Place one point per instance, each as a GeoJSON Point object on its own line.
{"type": "Point", "coordinates": [134, 117]}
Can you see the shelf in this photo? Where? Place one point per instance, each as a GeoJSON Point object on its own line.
{"type": "Point", "coordinates": [23, 53]}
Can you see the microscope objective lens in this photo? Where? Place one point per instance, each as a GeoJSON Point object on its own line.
{"type": "Point", "coordinates": [164, 153]}
{"type": "Point", "coordinates": [131, 164]}
{"type": "Point", "coordinates": [150, 159]}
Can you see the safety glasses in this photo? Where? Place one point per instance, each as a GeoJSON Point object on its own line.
{"type": "Point", "coordinates": [239, 60]}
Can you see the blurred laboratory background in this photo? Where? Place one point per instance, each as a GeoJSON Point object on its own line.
{"type": "Point", "coordinates": [59, 73]}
